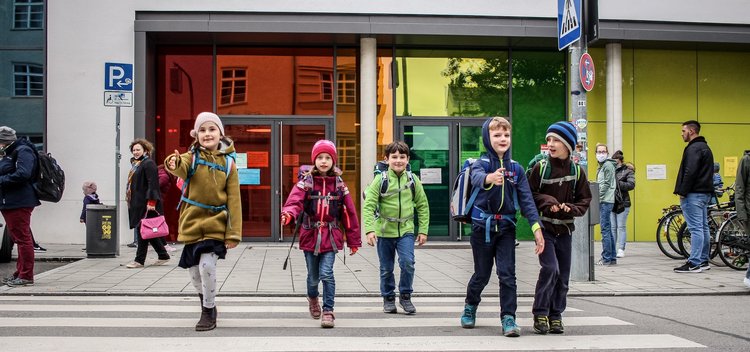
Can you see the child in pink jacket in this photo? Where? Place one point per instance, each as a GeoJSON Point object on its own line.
{"type": "Point", "coordinates": [328, 216]}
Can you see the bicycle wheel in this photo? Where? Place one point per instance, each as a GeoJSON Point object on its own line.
{"type": "Point", "coordinates": [734, 244]}
{"type": "Point", "coordinates": [683, 241]}
{"type": "Point", "coordinates": [714, 220]}
{"type": "Point", "coordinates": [666, 235]}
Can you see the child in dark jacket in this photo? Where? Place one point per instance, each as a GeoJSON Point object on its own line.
{"type": "Point", "coordinates": [89, 197]}
{"type": "Point", "coordinates": [559, 195]}
{"type": "Point", "coordinates": [503, 185]}
{"type": "Point", "coordinates": [329, 215]}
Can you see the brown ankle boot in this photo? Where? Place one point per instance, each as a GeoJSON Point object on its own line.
{"type": "Point", "coordinates": [314, 307]}
{"type": "Point", "coordinates": [327, 320]}
{"type": "Point", "coordinates": [208, 319]}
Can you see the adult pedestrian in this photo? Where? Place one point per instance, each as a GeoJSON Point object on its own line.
{"type": "Point", "coordinates": [18, 165]}
{"type": "Point", "coordinates": [742, 199]}
{"type": "Point", "coordinates": [143, 195]}
{"type": "Point", "coordinates": [695, 186]}
{"type": "Point", "coordinates": [625, 176]}
{"type": "Point", "coordinates": [605, 176]}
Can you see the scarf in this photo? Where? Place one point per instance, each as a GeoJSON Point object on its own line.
{"type": "Point", "coordinates": [134, 163]}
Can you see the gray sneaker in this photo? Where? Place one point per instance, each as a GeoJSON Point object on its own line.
{"type": "Point", "coordinates": [20, 282]}
{"type": "Point", "coordinates": [6, 279]}
{"type": "Point", "coordinates": [406, 305]}
{"type": "Point", "coordinates": [389, 305]}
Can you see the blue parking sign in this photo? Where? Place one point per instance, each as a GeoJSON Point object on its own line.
{"type": "Point", "coordinates": [118, 76]}
{"type": "Point", "coordinates": [569, 17]}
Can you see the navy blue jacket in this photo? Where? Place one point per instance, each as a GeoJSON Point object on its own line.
{"type": "Point", "coordinates": [17, 176]}
{"type": "Point", "coordinates": [514, 193]}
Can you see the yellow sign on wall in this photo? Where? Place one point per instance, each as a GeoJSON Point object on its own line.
{"type": "Point", "coordinates": [730, 166]}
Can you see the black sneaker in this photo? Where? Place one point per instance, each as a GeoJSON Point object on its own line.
{"type": "Point", "coordinates": [405, 301]}
{"type": "Point", "coordinates": [133, 245]}
{"type": "Point", "coordinates": [541, 324]}
{"type": "Point", "coordinates": [688, 268]}
{"type": "Point", "coordinates": [39, 249]}
{"type": "Point", "coordinates": [705, 266]}
{"type": "Point", "coordinates": [389, 304]}
{"type": "Point", "coordinates": [556, 326]}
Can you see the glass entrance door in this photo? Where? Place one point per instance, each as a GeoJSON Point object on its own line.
{"type": "Point", "coordinates": [269, 154]}
{"type": "Point", "coordinates": [438, 150]}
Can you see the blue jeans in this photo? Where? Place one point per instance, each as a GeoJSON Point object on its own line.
{"type": "Point", "coordinates": [695, 211]}
{"type": "Point", "coordinates": [619, 224]}
{"type": "Point", "coordinates": [608, 240]}
{"type": "Point", "coordinates": [551, 293]}
{"type": "Point", "coordinates": [320, 268]}
{"type": "Point", "coordinates": [501, 251]}
{"type": "Point", "coordinates": [387, 249]}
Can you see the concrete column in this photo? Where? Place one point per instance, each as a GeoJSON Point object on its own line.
{"type": "Point", "coordinates": [368, 108]}
{"type": "Point", "coordinates": [614, 97]}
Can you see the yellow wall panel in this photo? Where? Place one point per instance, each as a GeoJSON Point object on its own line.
{"type": "Point", "coordinates": [723, 87]}
{"type": "Point", "coordinates": [726, 140]}
{"type": "Point", "coordinates": [665, 86]}
{"type": "Point", "coordinates": [596, 99]}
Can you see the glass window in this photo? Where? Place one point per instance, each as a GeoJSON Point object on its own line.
{"type": "Point", "coordinates": [28, 14]}
{"type": "Point", "coordinates": [346, 88]}
{"type": "Point", "coordinates": [347, 119]}
{"type": "Point", "coordinates": [452, 83]}
{"type": "Point", "coordinates": [233, 86]}
{"type": "Point", "coordinates": [278, 81]}
{"type": "Point", "coordinates": [385, 99]}
{"type": "Point", "coordinates": [28, 80]}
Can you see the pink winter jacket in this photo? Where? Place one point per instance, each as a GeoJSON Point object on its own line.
{"type": "Point", "coordinates": [325, 211]}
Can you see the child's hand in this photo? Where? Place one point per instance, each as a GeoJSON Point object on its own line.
{"type": "Point", "coordinates": [539, 241]}
{"type": "Point", "coordinates": [172, 162]}
{"type": "Point", "coordinates": [353, 250]}
{"type": "Point", "coordinates": [496, 178]}
{"type": "Point", "coordinates": [371, 238]}
{"type": "Point", "coordinates": [286, 218]}
{"type": "Point", "coordinates": [230, 245]}
{"type": "Point", "coordinates": [564, 207]}
{"type": "Point", "coordinates": [421, 239]}
{"type": "Point", "coordinates": [555, 208]}
{"type": "Point", "coordinates": [82, 221]}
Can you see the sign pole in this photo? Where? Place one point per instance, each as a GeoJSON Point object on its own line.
{"type": "Point", "coordinates": [117, 176]}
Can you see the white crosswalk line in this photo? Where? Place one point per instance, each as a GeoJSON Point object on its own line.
{"type": "Point", "coordinates": [177, 299]}
{"type": "Point", "coordinates": [341, 322]}
{"type": "Point", "coordinates": [313, 343]}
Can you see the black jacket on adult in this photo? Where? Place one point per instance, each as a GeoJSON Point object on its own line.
{"type": "Point", "coordinates": [696, 169]}
{"type": "Point", "coordinates": [145, 186]}
{"type": "Point", "coordinates": [625, 181]}
{"type": "Point", "coordinates": [17, 175]}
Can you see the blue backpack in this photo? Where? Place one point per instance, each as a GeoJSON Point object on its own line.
{"type": "Point", "coordinates": [463, 196]}
{"type": "Point", "coordinates": [197, 160]}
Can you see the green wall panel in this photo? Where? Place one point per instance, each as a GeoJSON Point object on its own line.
{"type": "Point", "coordinates": [665, 86]}
{"type": "Point", "coordinates": [723, 87]}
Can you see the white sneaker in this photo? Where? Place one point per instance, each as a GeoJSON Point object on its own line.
{"type": "Point", "coordinates": [747, 282]}
{"type": "Point", "coordinates": [134, 265]}
{"type": "Point", "coordinates": [620, 253]}
{"type": "Point", "coordinates": [161, 261]}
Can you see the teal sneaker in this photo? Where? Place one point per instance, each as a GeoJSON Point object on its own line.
{"type": "Point", "coordinates": [510, 328]}
{"type": "Point", "coordinates": [470, 316]}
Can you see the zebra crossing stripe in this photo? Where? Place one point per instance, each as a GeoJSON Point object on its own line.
{"type": "Point", "coordinates": [354, 344]}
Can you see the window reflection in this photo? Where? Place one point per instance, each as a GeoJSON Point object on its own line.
{"type": "Point", "coordinates": [275, 81]}
{"type": "Point", "coordinates": [385, 99]}
{"type": "Point", "coordinates": [347, 120]}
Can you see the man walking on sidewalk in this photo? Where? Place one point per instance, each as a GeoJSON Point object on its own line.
{"type": "Point", "coordinates": [694, 186]}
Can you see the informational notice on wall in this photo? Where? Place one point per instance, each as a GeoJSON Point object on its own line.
{"type": "Point", "coordinates": [249, 176]}
{"type": "Point", "coordinates": [656, 172]}
{"type": "Point", "coordinates": [257, 159]}
{"type": "Point", "coordinates": [431, 176]}
{"type": "Point", "coordinates": [241, 160]}
{"type": "Point", "coordinates": [290, 159]}
{"type": "Point", "coordinates": [730, 166]}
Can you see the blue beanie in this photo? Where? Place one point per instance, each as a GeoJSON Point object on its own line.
{"type": "Point", "coordinates": [564, 131]}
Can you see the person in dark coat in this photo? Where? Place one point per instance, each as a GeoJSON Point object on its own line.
{"type": "Point", "coordinates": [18, 165]}
{"type": "Point", "coordinates": [143, 195]}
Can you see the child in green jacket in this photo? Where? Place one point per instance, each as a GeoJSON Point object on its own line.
{"type": "Point", "coordinates": [389, 216]}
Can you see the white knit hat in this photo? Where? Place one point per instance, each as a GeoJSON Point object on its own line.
{"type": "Point", "coordinates": [203, 118]}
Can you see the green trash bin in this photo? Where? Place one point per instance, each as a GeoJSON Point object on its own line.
{"type": "Point", "coordinates": [101, 231]}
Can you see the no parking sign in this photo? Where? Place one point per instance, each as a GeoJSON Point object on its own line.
{"type": "Point", "coordinates": [587, 72]}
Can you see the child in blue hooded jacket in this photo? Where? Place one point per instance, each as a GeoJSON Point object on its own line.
{"type": "Point", "coordinates": [503, 188]}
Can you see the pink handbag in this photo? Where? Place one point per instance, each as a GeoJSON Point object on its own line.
{"type": "Point", "coordinates": [154, 227]}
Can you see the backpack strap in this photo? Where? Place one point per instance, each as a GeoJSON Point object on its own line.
{"type": "Point", "coordinates": [197, 160]}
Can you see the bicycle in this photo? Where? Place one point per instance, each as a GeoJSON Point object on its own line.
{"type": "Point", "coordinates": [716, 216]}
{"type": "Point", "coordinates": [734, 243]}
{"type": "Point", "coordinates": [667, 229]}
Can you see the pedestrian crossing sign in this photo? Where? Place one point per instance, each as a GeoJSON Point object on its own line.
{"type": "Point", "coordinates": [569, 16]}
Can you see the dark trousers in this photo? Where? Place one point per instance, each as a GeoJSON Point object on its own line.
{"type": "Point", "coordinates": [551, 295]}
{"type": "Point", "coordinates": [501, 251]}
{"type": "Point", "coordinates": [18, 222]}
{"type": "Point", "coordinates": [140, 252]}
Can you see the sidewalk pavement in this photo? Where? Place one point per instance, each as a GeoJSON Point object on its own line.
{"type": "Point", "coordinates": [442, 269]}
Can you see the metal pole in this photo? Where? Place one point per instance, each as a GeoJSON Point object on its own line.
{"type": "Point", "coordinates": [117, 177]}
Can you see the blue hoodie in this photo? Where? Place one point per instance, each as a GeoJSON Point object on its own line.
{"type": "Point", "coordinates": [503, 200]}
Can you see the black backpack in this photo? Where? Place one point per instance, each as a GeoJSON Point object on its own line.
{"type": "Point", "coordinates": [50, 181]}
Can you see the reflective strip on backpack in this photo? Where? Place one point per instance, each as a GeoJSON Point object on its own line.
{"type": "Point", "coordinates": [556, 221]}
{"type": "Point", "coordinates": [559, 180]}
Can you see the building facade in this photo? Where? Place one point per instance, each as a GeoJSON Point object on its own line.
{"type": "Point", "coordinates": [284, 74]}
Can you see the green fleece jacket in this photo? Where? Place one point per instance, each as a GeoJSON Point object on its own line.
{"type": "Point", "coordinates": [211, 187]}
{"type": "Point", "coordinates": [606, 177]}
{"type": "Point", "coordinates": [399, 205]}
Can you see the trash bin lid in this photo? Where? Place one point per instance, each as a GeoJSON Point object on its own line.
{"type": "Point", "coordinates": [100, 207]}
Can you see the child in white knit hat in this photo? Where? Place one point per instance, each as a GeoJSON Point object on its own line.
{"type": "Point", "coordinates": [89, 197]}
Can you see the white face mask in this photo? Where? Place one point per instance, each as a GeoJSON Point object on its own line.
{"type": "Point", "coordinates": [601, 157]}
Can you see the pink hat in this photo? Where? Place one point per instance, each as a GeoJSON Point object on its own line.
{"type": "Point", "coordinates": [324, 146]}
{"type": "Point", "coordinates": [203, 118]}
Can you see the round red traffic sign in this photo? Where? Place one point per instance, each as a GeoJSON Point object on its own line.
{"type": "Point", "coordinates": [587, 72]}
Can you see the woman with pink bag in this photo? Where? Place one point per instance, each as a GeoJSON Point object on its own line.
{"type": "Point", "coordinates": [144, 200]}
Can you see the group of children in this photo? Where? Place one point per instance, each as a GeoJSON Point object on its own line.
{"type": "Point", "coordinates": [210, 220]}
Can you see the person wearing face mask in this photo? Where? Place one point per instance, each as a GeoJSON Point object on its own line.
{"type": "Point", "coordinates": [605, 176]}
{"type": "Point", "coordinates": [625, 174]}
{"type": "Point", "coordinates": [695, 186]}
